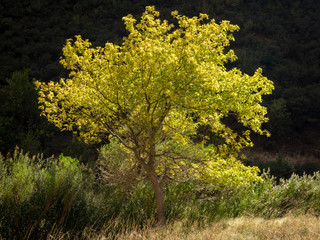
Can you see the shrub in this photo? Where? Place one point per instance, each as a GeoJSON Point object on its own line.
{"type": "Point", "coordinates": [279, 167]}
{"type": "Point", "coordinates": [37, 194]}
{"type": "Point", "coordinates": [269, 199]}
{"type": "Point", "coordinates": [40, 197]}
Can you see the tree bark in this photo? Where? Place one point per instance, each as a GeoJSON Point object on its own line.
{"type": "Point", "coordinates": [157, 188]}
{"type": "Point", "coordinates": [159, 195]}
{"type": "Point", "coordinates": [156, 185]}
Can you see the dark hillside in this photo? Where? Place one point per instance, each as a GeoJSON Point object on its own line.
{"type": "Point", "coordinates": [282, 37]}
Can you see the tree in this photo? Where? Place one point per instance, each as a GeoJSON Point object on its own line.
{"type": "Point", "coordinates": [20, 123]}
{"type": "Point", "coordinates": [155, 92]}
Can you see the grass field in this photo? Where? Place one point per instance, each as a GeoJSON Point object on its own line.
{"type": "Point", "coordinates": [247, 228]}
{"type": "Point", "coordinates": [302, 227]}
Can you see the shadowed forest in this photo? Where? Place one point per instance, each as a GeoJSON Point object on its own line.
{"type": "Point", "coordinates": [280, 37]}
{"type": "Point", "coordinates": [46, 195]}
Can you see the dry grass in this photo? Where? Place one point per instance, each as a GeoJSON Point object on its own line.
{"type": "Point", "coordinates": [290, 227]}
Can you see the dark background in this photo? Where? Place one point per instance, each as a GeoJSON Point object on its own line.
{"type": "Point", "coordinates": [281, 36]}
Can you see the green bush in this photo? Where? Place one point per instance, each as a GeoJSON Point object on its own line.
{"type": "Point", "coordinates": [37, 194]}
{"type": "Point", "coordinates": [279, 166]}
{"type": "Point", "coordinates": [39, 197]}
{"type": "Point", "coordinates": [271, 199]}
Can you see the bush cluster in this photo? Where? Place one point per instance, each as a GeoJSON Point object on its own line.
{"type": "Point", "coordinates": [40, 197]}
{"type": "Point", "coordinates": [270, 199]}
{"type": "Point", "coordinates": [281, 167]}
{"type": "Point", "coordinates": [37, 195]}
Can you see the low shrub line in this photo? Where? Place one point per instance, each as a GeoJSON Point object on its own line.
{"type": "Point", "coordinates": [44, 197]}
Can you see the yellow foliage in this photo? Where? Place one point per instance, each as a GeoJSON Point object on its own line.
{"type": "Point", "coordinates": [161, 84]}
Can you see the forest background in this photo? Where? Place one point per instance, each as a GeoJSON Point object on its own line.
{"type": "Point", "coordinates": [281, 37]}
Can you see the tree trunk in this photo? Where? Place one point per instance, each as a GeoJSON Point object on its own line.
{"type": "Point", "coordinates": [159, 195]}
{"type": "Point", "coordinates": [157, 188]}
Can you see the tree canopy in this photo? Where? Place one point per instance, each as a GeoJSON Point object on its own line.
{"type": "Point", "coordinates": [156, 91]}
